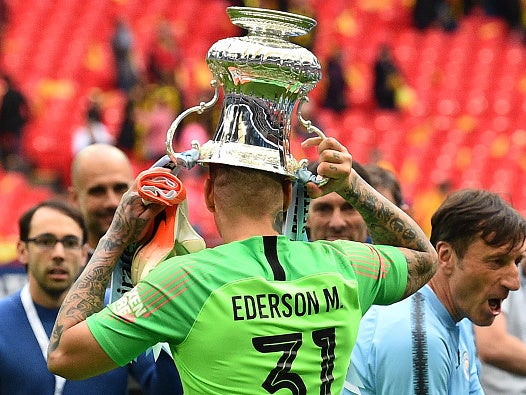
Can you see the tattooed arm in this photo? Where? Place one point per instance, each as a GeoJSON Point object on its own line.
{"type": "Point", "coordinates": [386, 222]}
{"type": "Point", "coordinates": [73, 352]}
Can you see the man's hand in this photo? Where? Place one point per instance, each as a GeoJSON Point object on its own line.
{"type": "Point", "coordinates": [387, 223]}
{"type": "Point", "coordinates": [73, 350]}
{"type": "Point", "coordinates": [335, 165]}
{"type": "Point", "coordinates": [133, 217]}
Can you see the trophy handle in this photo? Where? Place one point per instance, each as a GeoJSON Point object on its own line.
{"type": "Point", "coordinates": [199, 109]}
{"type": "Point", "coordinates": [305, 123]}
{"type": "Point", "coordinates": [303, 174]}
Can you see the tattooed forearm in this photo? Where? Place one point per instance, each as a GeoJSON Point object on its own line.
{"type": "Point", "coordinates": [419, 271]}
{"type": "Point", "coordinates": [86, 296]}
{"type": "Point", "coordinates": [386, 223]}
{"type": "Point", "coordinates": [278, 221]}
{"type": "Point", "coordinates": [55, 337]}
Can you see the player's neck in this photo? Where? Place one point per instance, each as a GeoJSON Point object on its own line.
{"type": "Point", "coordinates": [441, 288]}
{"type": "Point", "coordinates": [244, 229]}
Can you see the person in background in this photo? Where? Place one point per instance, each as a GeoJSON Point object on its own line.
{"type": "Point", "coordinates": [480, 240]}
{"type": "Point", "coordinates": [163, 56]}
{"type": "Point", "coordinates": [126, 135]}
{"type": "Point", "coordinates": [387, 79]}
{"type": "Point", "coordinates": [52, 246]}
{"type": "Point", "coordinates": [157, 122]}
{"type": "Point", "coordinates": [331, 217]}
{"type": "Point", "coordinates": [122, 45]}
{"type": "Point", "coordinates": [15, 113]}
{"type": "Point", "coordinates": [337, 87]}
{"type": "Point", "coordinates": [385, 182]}
{"type": "Point", "coordinates": [101, 174]}
{"type": "Point", "coordinates": [427, 13]}
{"type": "Point", "coordinates": [196, 301]}
{"type": "Point", "coordinates": [93, 131]}
{"type": "Point", "coordinates": [502, 345]}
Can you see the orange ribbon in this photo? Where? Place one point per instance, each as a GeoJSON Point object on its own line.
{"type": "Point", "coordinates": [157, 186]}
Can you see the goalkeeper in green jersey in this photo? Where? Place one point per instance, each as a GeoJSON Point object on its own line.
{"type": "Point", "coordinates": [260, 314]}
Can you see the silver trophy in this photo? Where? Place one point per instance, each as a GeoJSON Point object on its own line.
{"type": "Point", "coordinates": [264, 77]}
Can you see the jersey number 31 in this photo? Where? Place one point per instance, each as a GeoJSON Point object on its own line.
{"type": "Point", "coordinates": [289, 344]}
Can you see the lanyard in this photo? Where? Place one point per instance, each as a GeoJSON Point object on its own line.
{"type": "Point", "coordinates": [39, 332]}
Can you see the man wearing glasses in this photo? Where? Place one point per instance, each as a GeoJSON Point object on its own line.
{"type": "Point", "coordinates": [53, 248]}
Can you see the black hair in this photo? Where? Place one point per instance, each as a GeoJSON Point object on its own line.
{"type": "Point", "coordinates": [24, 223]}
{"type": "Point", "coordinates": [381, 177]}
{"type": "Point", "coordinates": [470, 213]}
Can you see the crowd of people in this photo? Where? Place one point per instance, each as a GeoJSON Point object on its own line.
{"type": "Point", "coordinates": [57, 238]}
{"type": "Point", "coordinates": [368, 290]}
{"type": "Point", "coordinates": [479, 240]}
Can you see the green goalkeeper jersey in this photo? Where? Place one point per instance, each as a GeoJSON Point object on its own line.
{"type": "Point", "coordinates": [261, 316]}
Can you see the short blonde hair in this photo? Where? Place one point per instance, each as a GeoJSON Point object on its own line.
{"type": "Point", "coordinates": [248, 192]}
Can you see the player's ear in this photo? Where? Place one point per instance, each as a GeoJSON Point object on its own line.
{"type": "Point", "coordinates": [72, 195]}
{"type": "Point", "coordinates": [209, 195]}
{"type": "Point", "coordinates": [447, 258]}
{"type": "Point", "coordinates": [287, 194]}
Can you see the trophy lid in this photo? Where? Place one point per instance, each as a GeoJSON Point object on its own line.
{"type": "Point", "coordinates": [263, 76]}
{"type": "Point", "coordinates": [280, 22]}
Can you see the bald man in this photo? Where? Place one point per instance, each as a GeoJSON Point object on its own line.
{"type": "Point", "coordinates": [100, 174]}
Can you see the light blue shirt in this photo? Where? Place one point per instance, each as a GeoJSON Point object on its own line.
{"type": "Point", "coordinates": [414, 347]}
{"type": "Point", "coordinates": [497, 381]}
